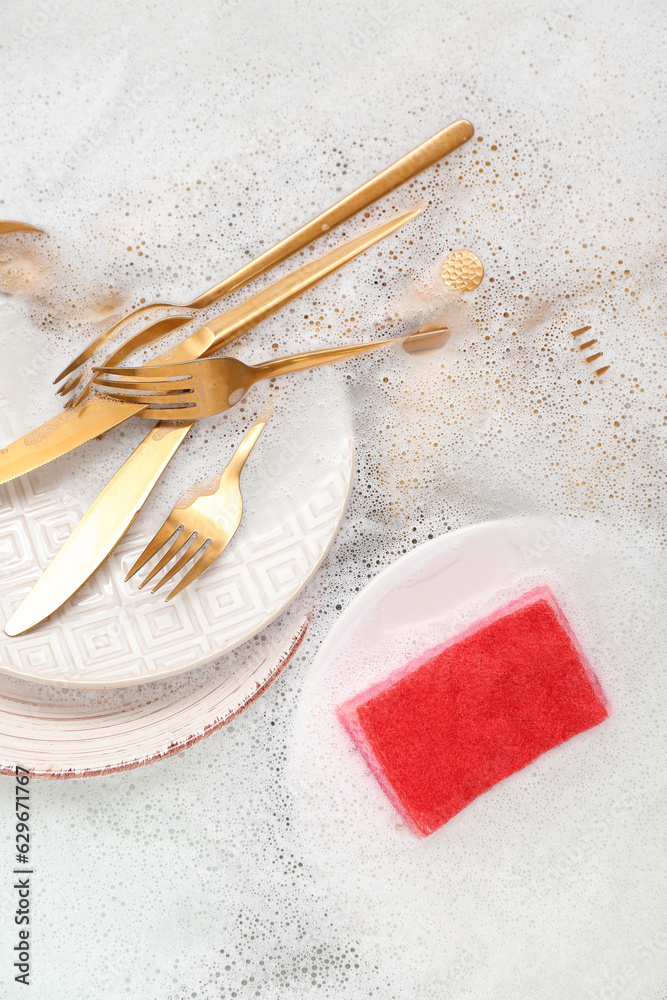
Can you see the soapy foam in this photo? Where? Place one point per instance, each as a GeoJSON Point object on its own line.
{"type": "Point", "coordinates": [153, 181]}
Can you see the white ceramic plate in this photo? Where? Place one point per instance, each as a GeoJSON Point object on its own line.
{"type": "Point", "coordinates": [77, 734]}
{"type": "Point", "coordinates": [416, 603]}
{"type": "Point", "coordinates": [534, 873]}
{"type": "Point", "coordinates": [111, 634]}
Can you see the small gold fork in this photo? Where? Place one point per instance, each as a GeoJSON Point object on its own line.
{"type": "Point", "coordinates": [205, 518]}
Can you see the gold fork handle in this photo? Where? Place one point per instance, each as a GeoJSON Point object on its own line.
{"type": "Point", "coordinates": [387, 180]}
{"type": "Point", "coordinates": [239, 457]}
{"type": "Point", "coordinates": [428, 338]}
{"type": "Point", "coordinates": [297, 362]}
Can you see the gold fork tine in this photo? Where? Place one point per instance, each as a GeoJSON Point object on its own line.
{"type": "Point", "coordinates": [188, 411]}
{"type": "Point", "coordinates": [163, 373]}
{"type": "Point", "coordinates": [183, 410]}
{"type": "Point", "coordinates": [159, 328]}
{"type": "Point", "coordinates": [589, 343]}
{"type": "Point", "coordinates": [185, 537]}
{"type": "Point", "coordinates": [189, 554]}
{"type": "Point", "coordinates": [71, 384]}
{"type": "Point", "coordinates": [142, 384]}
{"type": "Point", "coordinates": [168, 529]}
{"type": "Point", "coordinates": [205, 560]}
{"type": "Point", "coordinates": [209, 521]}
{"type": "Point", "coordinates": [133, 343]}
{"type": "Point", "coordinates": [133, 400]}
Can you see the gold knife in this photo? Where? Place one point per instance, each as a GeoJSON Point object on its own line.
{"type": "Point", "coordinates": [109, 517]}
{"type": "Point", "coordinates": [101, 528]}
{"type": "Point", "coordinates": [75, 426]}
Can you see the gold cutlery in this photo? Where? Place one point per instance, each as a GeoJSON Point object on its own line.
{"type": "Point", "coordinates": [206, 522]}
{"type": "Point", "coordinates": [73, 427]}
{"type": "Point", "coordinates": [7, 226]}
{"type": "Point", "coordinates": [100, 529]}
{"type": "Point", "coordinates": [413, 163]}
{"type": "Point", "coordinates": [589, 343]}
{"type": "Point", "coordinates": [197, 389]}
{"type": "Point", "coordinates": [111, 514]}
{"type": "Point", "coordinates": [109, 517]}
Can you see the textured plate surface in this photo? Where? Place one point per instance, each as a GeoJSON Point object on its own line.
{"type": "Point", "coordinates": [111, 634]}
{"type": "Point", "coordinates": [67, 734]}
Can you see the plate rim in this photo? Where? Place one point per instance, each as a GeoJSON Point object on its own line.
{"type": "Point", "coordinates": [349, 616]}
{"type": "Point", "coordinates": [284, 650]}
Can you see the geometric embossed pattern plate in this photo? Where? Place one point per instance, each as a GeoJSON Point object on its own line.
{"type": "Point", "coordinates": [58, 733]}
{"type": "Point", "coordinates": [111, 634]}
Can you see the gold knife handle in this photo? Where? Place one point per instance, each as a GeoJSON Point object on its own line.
{"type": "Point", "coordinates": [418, 159]}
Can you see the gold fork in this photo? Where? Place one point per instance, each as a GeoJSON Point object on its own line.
{"type": "Point", "coordinates": [202, 388]}
{"type": "Point", "coordinates": [205, 522]}
{"type": "Point", "coordinates": [413, 163]}
{"type": "Point", "coordinates": [589, 343]}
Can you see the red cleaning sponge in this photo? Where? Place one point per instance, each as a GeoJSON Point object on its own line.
{"type": "Point", "coordinates": [464, 715]}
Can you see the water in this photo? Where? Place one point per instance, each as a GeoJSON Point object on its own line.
{"type": "Point", "coordinates": [161, 149]}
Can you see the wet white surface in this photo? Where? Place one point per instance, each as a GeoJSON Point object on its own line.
{"type": "Point", "coordinates": [196, 136]}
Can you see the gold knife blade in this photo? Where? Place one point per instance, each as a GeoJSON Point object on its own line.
{"type": "Point", "coordinates": [61, 434]}
{"type": "Point", "coordinates": [94, 416]}
{"type": "Point", "coordinates": [101, 527]}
